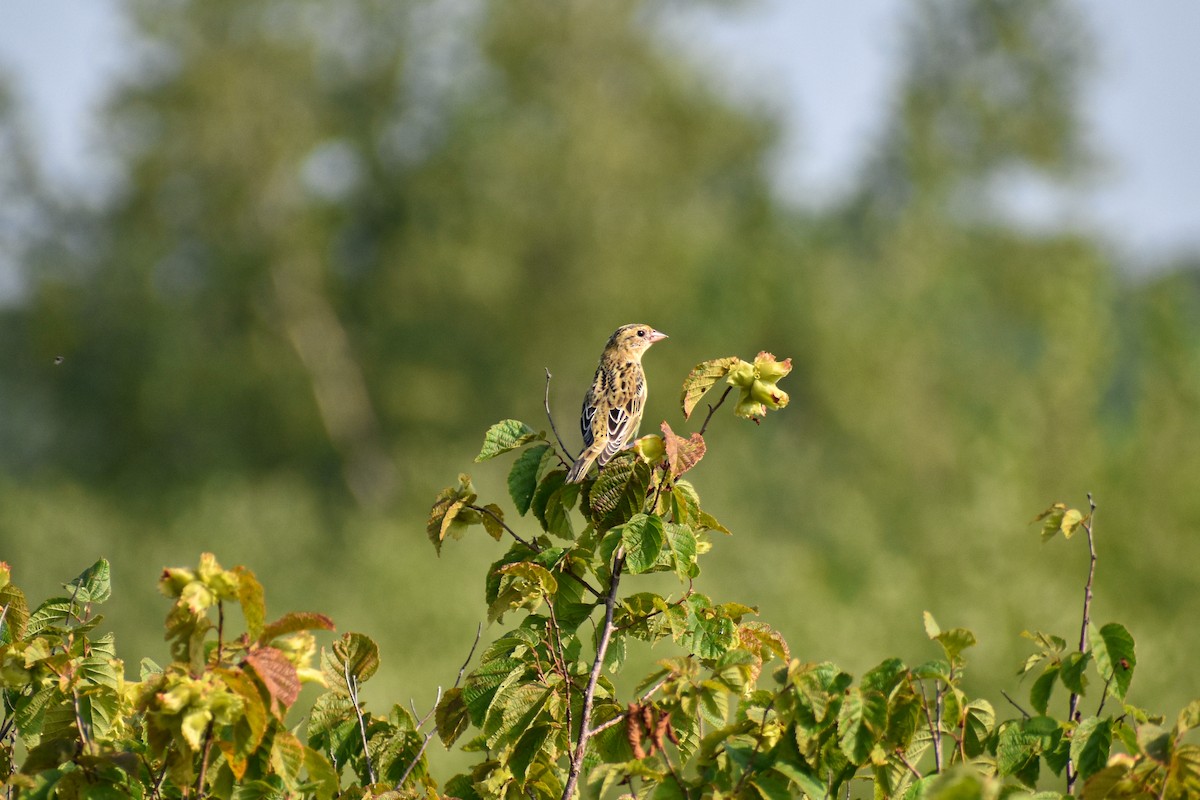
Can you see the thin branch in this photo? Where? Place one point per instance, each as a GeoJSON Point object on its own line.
{"type": "Point", "coordinates": [1015, 704]}
{"type": "Point", "coordinates": [429, 736]}
{"type": "Point", "coordinates": [528, 543]}
{"type": "Point", "coordinates": [467, 660]}
{"type": "Point", "coordinates": [904, 760]}
{"type": "Point", "coordinates": [935, 729]}
{"type": "Point", "coordinates": [589, 693]}
{"type": "Point", "coordinates": [713, 409]}
{"type": "Point", "coordinates": [1104, 694]}
{"type": "Point", "coordinates": [352, 688]}
{"type": "Point", "coordinates": [532, 545]}
{"type": "Point", "coordinates": [560, 662]}
{"type": "Point", "coordinates": [200, 779]}
{"type": "Point", "coordinates": [619, 718]}
{"type": "Point", "coordinates": [554, 427]}
{"type": "Point", "coordinates": [1073, 706]}
{"type": "Point", "coordinates": [84, 740]}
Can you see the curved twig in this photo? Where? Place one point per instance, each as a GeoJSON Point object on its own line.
{"type": "Point", "coordinates": [550, 417]}
{"type": "Point", "coordinates": [713, 409]}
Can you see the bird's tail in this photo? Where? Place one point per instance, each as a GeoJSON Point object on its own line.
{"type": "Point", "coordinates": [582, 465]}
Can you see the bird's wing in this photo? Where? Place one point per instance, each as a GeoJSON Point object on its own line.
{"type": "Point", "coordinates": [622, 423]}
{"type": "Point", "coordinates": [587, 419]}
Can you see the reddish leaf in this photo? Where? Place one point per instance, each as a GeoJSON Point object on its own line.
{"type": "Point", "coordinates": [278, 677]}
{"type": "Point", "coordinates": [682, 454]}
{"type": "Point", "coordinates": [296, 621]}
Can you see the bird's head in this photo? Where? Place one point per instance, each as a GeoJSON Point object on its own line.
{"type": "Point", "coordinates": [634, 339]}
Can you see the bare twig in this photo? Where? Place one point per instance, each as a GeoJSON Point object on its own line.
{"type": "Point", "coordinates": [713, 409]}
{"type": "Point", "coordinates": [935, 728]}
{"type": "Point", "coordinates": [352, 688]}
{"type": "Point", "coordinates": [589, 693]}
{"type": "Point", "coordinates": [1015, 704]}
{"type": "Point", "coordinates": [1073, 705]}
{"type": "Point", "coordinates": [532, 545]}
{"type": "Point", "coordinates": [1104, 694]}
{"type": "Point", "coordinates": [84, 739]}
{"type": "Point", "coordinates": [200, 779]}
{"type": "Point", "coordinates": [429, 736]}
{"type": "Point", "coordinates": [908, 764]}
{"type": "Point", "coordinates": [470, 655]}
{"type": "Point", "coordinates": [554, 427]}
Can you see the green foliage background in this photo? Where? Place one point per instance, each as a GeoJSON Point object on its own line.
{"type": "Point", "coordinates": [347, 236]}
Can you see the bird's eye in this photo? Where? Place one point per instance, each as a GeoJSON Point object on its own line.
{"type": "Point", "coordinates": [642, 332]}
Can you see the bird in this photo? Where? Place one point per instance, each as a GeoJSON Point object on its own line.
{"type": "Point", "coordinates": [612, 407]}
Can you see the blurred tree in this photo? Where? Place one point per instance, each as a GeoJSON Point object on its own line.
{"type": "Point", "coordinates": [350, 233]}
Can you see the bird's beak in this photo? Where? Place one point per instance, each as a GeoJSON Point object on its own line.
{"type": "Point", "coordinates": [657, 336]}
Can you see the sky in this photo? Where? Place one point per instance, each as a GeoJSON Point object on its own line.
{"type": "Point", "coordinates": [825, 68]}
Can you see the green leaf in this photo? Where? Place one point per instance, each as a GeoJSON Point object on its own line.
{"type": "Point", "coordinates": [522, 585]}
{"type": "Point", "coordinates": [863, 716]}
{"type": "Point", "coordinates": [287, 758]}
{"type": "Point", "coordinates": [1090, 744]}
{"type": "Point", "coordinates": [679, 551]}
{"type": "Point", "coordinates": [513, 711]}
{"type": "Point", "coordinates": [522, 478]}
{"type": "Point", "coordinates": [642, 538]}
{"type": "Point", "coordinates": [1184, 773]}
{"type": "Point", "coordinates": [1059, 519]}
{"type": "Point", "coordinates": [94, 584]}
{"type": "Point", "coordinates": [557, 518]}
{"type": "Point", "coordinates": [685, 503]}
{"type": "Point", "coordinates": [333, 728]}
{"type": "Point", "coordinates": [551, 482]}
{"type": "Point", "coordinates": [493, 520]}
{"type": "Point", "coordinates": [620, 491]}
{"type": "Point", "coordinates": [1072, 673]}
{"type": "Point", "coordinates": [1039, 693]}
{"type": "Point", "coordinates": [1021, 743]}
{"type": "Point", "coordinates": [980, 720]}
{"type": "Point", "coordinates": [481, 684]}
{"type": "Point", "coordinates": [771, 786]}
{"type": "Point", "coordinates": [504, 436]}
{"type": "Point", "coordinates": [321, 774]}
{"type": "Point", "coordinates": [702, 378]}
{"type": "Point", "coordinates": [1113, 648]}
{"type": "Point", "coordinates": [54, 612]}
{"type": "Point", "coordinates": [884, 677]}
{"type": "Point", "coordinates": [16, 614]}
{"type": "Point", "coordinates": [355, 654]}
{"type": "Point", "coordinates": [531, 744]}
{"type": "Point", "coordinates": [250, 598]}
{"type": "Point", "coordinates": [451, 717]}
{"type": "Point", "coordinates": [953, 641]}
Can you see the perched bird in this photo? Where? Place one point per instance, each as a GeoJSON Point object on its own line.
{"type": "Point", "coordinates": [612, 409]}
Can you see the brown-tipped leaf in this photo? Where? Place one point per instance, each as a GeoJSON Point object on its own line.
{"type": "Point", "coordinates": [682, 454]}
{"type": "Point", "coordinates": [702, 378]}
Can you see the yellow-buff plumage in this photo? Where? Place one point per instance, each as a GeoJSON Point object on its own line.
{"type": "Point", "coordinates": [612, 409]}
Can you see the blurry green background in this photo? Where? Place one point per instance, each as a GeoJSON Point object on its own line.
{"type": "Point", "coordinates": [344, 237]}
